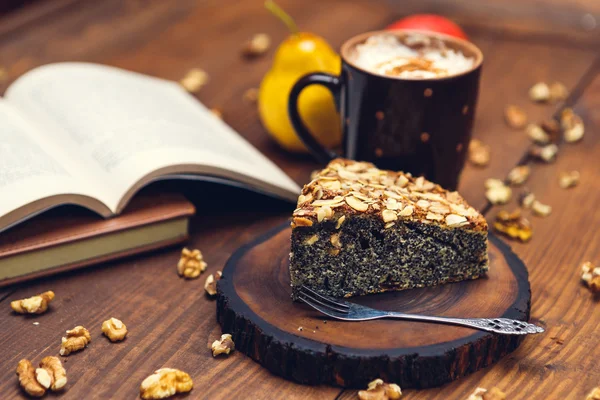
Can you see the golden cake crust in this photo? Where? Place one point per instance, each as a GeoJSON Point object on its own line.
{"type": "Point", "coordinates": [347, 187]}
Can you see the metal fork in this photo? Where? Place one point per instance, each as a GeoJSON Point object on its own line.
{"type": "Point", "coordinates": [347, 311]}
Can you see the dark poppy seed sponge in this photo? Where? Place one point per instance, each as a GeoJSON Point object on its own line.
{"type": "Point", "coordinates": [360, 230]}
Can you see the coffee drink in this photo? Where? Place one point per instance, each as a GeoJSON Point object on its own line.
{"type": "Point", "coordinates": [414, 56]}
{"type": "Point", "coordinates": [406, 99]}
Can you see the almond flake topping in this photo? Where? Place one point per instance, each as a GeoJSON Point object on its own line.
{"type": "Point", "coordinates": [357, 204]}
{"type": "Point", "coordinates": [345, 185]}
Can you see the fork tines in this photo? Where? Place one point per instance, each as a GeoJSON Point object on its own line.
{"type": "Point", "coordinates": [308, 295]}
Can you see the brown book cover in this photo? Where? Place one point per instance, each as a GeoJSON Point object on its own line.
{"type": "Point", "coordinates": [69, 238]}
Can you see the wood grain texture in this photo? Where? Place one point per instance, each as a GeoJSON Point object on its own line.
{"type": "Point", "coordinates": [294, 341]}
{"type": "Point", "coordinates": [171, 322]}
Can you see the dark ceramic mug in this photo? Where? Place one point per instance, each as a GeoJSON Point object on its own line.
{"type": "Point", "coordinates": [422, 126]}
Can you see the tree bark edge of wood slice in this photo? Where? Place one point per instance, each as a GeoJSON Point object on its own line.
{"type": "Point", "coordinates": [297, 343]}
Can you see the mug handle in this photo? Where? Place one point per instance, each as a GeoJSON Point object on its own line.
{"type": "Point", "coordinates": [331, 82]}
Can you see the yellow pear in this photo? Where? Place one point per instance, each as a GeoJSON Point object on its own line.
{"type": "Point", "coordinates": [301, 53]}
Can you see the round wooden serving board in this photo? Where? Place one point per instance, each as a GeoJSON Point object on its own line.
{"type": "Point", "coordinates": [298, 343]}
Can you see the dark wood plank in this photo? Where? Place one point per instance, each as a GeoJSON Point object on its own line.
{"type": "Point", "coordinates": [171, 324]}
{"type": "Point", "coordinates": [170, 320]}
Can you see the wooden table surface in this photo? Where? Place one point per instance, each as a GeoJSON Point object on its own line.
{"type": "Point", "coordinates": [172, 323]}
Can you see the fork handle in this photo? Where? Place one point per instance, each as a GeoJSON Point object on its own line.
{"type": "Point", "coordinates": [504, 326]}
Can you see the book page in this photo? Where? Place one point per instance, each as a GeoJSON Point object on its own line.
{"type": "Point", "coordinates": [129, 124]}
{"type": "Point", "coordinates": [30, 171]}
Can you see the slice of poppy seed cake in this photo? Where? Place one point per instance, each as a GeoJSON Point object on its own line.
{"type": "Point", "coordinates": [360, 230]}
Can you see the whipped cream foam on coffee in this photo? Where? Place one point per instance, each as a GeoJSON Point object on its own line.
{"type": "Point", "coordinates": [416, 56]}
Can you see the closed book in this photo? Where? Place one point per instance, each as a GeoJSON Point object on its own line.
{"type": "Point", "coordinates": [68, 238]}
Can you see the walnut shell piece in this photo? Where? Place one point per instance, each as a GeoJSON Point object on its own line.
{"type": "Point", "coordinates": [191, 263]}
{"type": "Point", "coordinates": [379, 390]}
{"type": "Point", "coordinates": [114, 329]}
{"type": "Point", "coordinates": [224, 345]}
{"type": "Point", "coordinates": [27, 379]}
{"type": "Point", "coordinates": [33, 305]}
{"type": "Point", "coordinates": [76, 339]}
{"type": "Point", "coordinates": [210, 285]}
{"type": "Point", "coordinates": [165, 382]}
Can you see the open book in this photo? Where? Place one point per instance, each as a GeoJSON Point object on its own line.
{"type": "Point", "coordinates": [92, 135]}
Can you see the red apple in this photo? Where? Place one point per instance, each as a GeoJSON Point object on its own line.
{"type": "Point", "coordinates": [429, 22]}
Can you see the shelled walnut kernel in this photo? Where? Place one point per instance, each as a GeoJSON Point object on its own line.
{"type": "Point", "coordinates": [513, 225]}
{"type": "Point", "coordinates": [540, 92]}
{"type": "Point", "coordinates": [27, 379]}
{"type": "Point", "coordinates": [572, 124]}
{"type": "Point", "coordinates": [191, 264]}
{"type": "Point", "coordinates": [224, 345]}
{"type": "Point", "coordinates": [165, 382]}
{"type": "Point", "coordinates": [210, 285]}
{"type": "Point", "coordinates": [379, 390]}
{"type": "Point", "coordinates": [251, 95]}
{"type": "Point", "coordinates": [568, 179]}
{"type": "Point", "coordinates": [114, 329]}
{"type": "Point", "coordinates": [484, 394]}
{"type": "Point", "coordinates": [590, 274]}
{"type": "Point", "coordinates": [57, 372]}
{"type": "Point", "coordinates": [497, 192]}
{"type": "Point", "coordinates": [558, 92]}
{"type": "Point", "coordinates": [526, 199]}
{"type": "Point", "coordinates": [33, 305]}
{"type": "Point", "coordinates": [540, 209]}
{"type": "Point", "coordinates": [537, 134]}
{"type": "Point", "coordinates": [35, 381]}
{"type": "Point", "coordinates": [544, 153]}
{"type": "Point", "coordinates": [258, 45]}
{"type": "Point", "coordinates": [479, 153]}
{"type": "Point", "coordinates": [76, 339]}
{"type": "Point", "coordinates": [518, 175]}
{"type": "Point", "coordinates": [594, 394]}
{"type": "Point", "coordinates": [194, 79]}
{"type": "Point", "coordinates": [515, 117]}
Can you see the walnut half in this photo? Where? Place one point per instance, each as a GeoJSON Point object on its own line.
{"type": "Point", "coordinates": [114, 329]}
{"type": "Point", "coordinates": [191, 264]}
{"type": "Point", "coordinates": [76, 339]}
{"type": "Point", "coordinates": [224, 345]}
{"type": "Point", "coordinates": [165, 382]}
{"type": "Point", "coordinates": [27, 379]}
{"type": "Point", "coordinates": [33, 305]}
